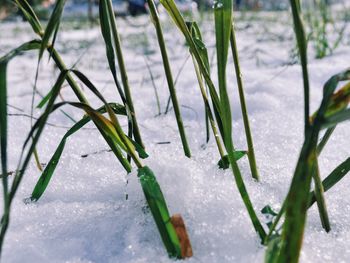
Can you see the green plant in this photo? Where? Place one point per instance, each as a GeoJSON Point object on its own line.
{"type": "Point", "coordinates": [221, 104]}
{"type": "Point", "coordinates": [109, 127]}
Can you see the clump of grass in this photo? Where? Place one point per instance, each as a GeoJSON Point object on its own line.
{"type": "Point", "coordinates": [221, 104]}
{"type": "Point", "coordinates": [109, 127]}
{"type": "Point", "coordinates": [281, 247]}
{"type": "Point", "coordinates": [286, 248]}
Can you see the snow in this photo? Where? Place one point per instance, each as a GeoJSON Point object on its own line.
{"type": "Point", "coordinates": [84, 215]}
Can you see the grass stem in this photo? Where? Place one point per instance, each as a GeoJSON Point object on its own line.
{"type": "Point", "coordinates": [249, 138]}
{"type": "Point", "coordinates": [155, 19]}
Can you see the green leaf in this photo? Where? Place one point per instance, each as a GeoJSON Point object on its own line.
{"type": "Point", "coordinates": [332, 179]}
{"type": "Point", "coordinates": [30, 15]}
{"type": "Point", "coordinates": [223, 22]}
{"type": "Point", "coordinates": [267, 210]}
{"type": "Point", "coordinates": [34, 44]}
{"type": "Point", "coordinates": [51, 165]}
{"type": "Point", "coordinates": [52, 26]}
{"type": "Point", "coordinates": [110, 52]}
{"type": "Point", "coordinates": [336, 118]}
{"type": "Point", "coordinates": [224, 162]}
{"type": "Point", "coordinates": [158, 207]}
{"type": "Point", "coordinates": [30, 45]}
{"type": "Point", "coordinates": [3, 127]}
{"type": "Point", "coordinates": [44, 100]}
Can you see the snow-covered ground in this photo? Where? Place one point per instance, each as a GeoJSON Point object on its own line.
{"type": "Point", "coordinates": [84, 215]}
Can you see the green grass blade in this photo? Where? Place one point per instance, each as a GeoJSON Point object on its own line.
{"type": "Point", "coordinates": [336, 118]}
{"type": "Point", "coordinates": [23, 164]}
{"type": "Point", "coordinates": [44, 100]}
{"type": "Point", "coordinates": [302, 47]}
{"type": "Point", "coordinates": [159, 210]}
{"type": "Point", "coordinates": [3, 131]}
{"type": "Point", "coordinates": [176, 16]}
{"type": "Point", "coordinates": [223, 18]}
{"type": "Point", "coordinates": [324, 140]}
{"type": "Point", "coordinates": [3, 147]}
{"type": "Point", "coordinates": [46, 175]}
{"type": "Point", "coordinates": [169, 76]}
{"type": "Point", "coordinates": [321, 201]}
{"type": "Point", "coordinates": [30, 15]}
{"type": "Point", "coordinates": [249, 137]}
{"type": "Point", "coordinates": [30, 45]}
{"type": "Point", "coordinates": [332, 179]}
{"type": "Point", "coordinates": [224, 162]}
{"type": "Point", "coordinates": [106, 34]}
{"type": "Point", "coordinates": [52, 26]}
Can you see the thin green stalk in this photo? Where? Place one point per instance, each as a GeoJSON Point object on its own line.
{"type": "Point", "coordinates": [124, 76]}
{"type": "Point", "coordinates": [321, 202]}
{"type": "Point", "coordinates": [208, 109]}
{"type": "Point", "coordinates": [275, 223]}
{"type": "Point", "coordinates": [154, 87]}
{"type": "Point", "coordinates": [324, 140]}
{"type": "Point", "coordinates": [169, 77]}
{"type": "Point", "coordinates": [302, 46]}
{"type": "Point", "coordinates": [249, 138]}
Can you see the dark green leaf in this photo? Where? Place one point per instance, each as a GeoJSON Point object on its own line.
{"type": "Point", "coordinates": [158, 207]}
{"type": "Point", "coordinates": [52, 25]}
{"type": "Point", "coordinates": [30, 15]}
{"type": "Point", "coordinates": [224, 162]}
{"type": "Point", "coordinates": [267, 210]}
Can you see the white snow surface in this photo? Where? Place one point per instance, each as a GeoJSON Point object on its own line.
{"type": "Point", "coordinates": [84, 216]}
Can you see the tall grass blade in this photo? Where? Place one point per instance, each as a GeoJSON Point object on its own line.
{"type": "Point", "coordinates": [249, 137]}
{"type": "Point", "coordinates": [23, 164]}
{"type": "Point", "coordinates": [223, 17]}
{"type": "Point", "coordinates": [52, 26]}
{"type": "Point", "coordinates": [155, 19]}
{"type": "Point", "coordinates": [302, 47]}
{"type": "Point", "coordinates": [3, 143]}
{"type": "Point", "coordinates": [3, 130]}
{"type": "Point", "coordinates": [133, 125]}
{"type": "Point", "coordinates": [158, 207]}
{"type": "Point", "coordinates": [298, 195]}
{"type": "Point", "coordinates": [51, 165]}
{"type": "Point", "coordinates": [30, 15]}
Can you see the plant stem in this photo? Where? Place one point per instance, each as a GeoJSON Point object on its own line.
{"type": "Point", "coordinates": [169, 77]}
{"type": "Point", "coordinates": [324, 140]}
{"type": "Point", "coordinates": [208, 109]}
{"type": "Point", "coordinates": [124, 76]}
{"type": "Point", "coordinates": [251, 154]}
{"type": "Point", "coordinates": [319, 193]}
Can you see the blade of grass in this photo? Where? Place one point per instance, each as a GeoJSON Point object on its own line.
{"type": "Point", "coordinates": [52, 26]}
{"type": "Point", "coordinates": [23, 165]}
{"type": "Point", "coordinates": [158, 207]}
{"type": "Point", "coordinates": [298, 195]}
{"type": "Point", "coordinates": [123, 73]}
{"type": "Point", "coordinates": [302, 47]}
{"type": "Point", "coordinates": [30, 16]}
{"type": "Point", "coordinates": [332, 179]}
{"type": "Point", "coordinates": [154, 87]}
{"type": "Point", "coordinates": [169, 76]}
{"type": "Point", "coordinates": [249, 138]}
{"type": "Point", "coordinates": [3, 145]}
{"type": "Point", "coordinates": [46, 175]}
